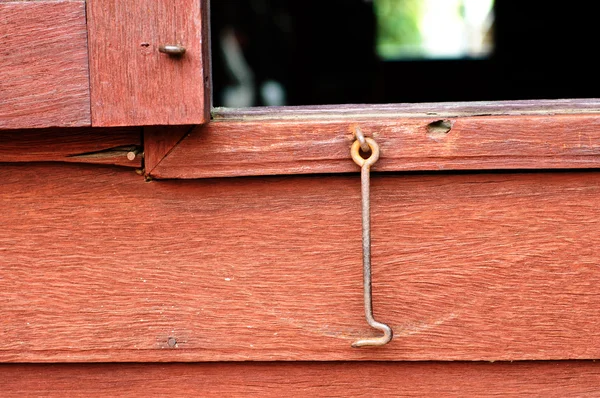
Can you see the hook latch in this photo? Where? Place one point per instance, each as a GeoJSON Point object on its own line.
{"type": "Point", "coordinates": [365, 164]}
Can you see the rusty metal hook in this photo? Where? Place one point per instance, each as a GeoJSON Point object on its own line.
{"type": "Point", "coordinates": [361, 138]}
{"type": "Point", "coordinates": [365, 171]}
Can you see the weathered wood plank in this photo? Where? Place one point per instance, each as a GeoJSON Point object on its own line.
{"type": "Point", "coordinates": [519, 379]}
{"type": "Point", "coordinates": [303, 146]}
{"type": "Point", "coordinates": [132, 83]}
{"type": "Point", "coordinates": [440, 109]}
{"type": "Point", "coordinates": [44, 79]}
{"type": "Point", "coordinates": [98, 265]}
{"type": "Point", "coordinates": [79, 145]}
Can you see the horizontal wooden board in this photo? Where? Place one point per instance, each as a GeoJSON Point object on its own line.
{"type": "Point", "coordinates": [44, 79]}
{"type": "Point", "coordinates": [518, 379]}
{"type": "Point", "coordinates": [98, 265]}
{"type": "Point", "coordinates": [304, 146]}
{"type": "Point", "coordinates": [79, 145]}
{"type": "Point", "coordinates": [132, 83]}
{"type": "Point", "coordinates": [424, 109]}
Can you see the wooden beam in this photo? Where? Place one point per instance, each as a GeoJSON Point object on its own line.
{"type": "Point", "coordinates": [44, 79]}
{"type": "Point", "coordinates": [98, 265]}
{"type": "Point", "coordinates": [300, 142]}
{"type": "Point", "coordinates": [77, 145]}
{"type": "Point", "coordinates": [302, 379]}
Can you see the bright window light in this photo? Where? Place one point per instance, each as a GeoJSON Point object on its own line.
{"type": "Point", "coordinates": [434, 29]}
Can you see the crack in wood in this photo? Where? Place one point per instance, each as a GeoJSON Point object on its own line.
{"type": "Point", "coordinates": [119, 151]}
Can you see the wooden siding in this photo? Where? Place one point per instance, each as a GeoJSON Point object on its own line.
{"type": "Point", "coordinates": [98, 265]}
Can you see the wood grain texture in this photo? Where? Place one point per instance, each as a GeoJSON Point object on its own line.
{"type": "Point", "coordinates": [358, 379]}
{"type": "Point", "coordinates": [159, 141]}
{"type": "Point", "coordinates": [44, 80]}
{"type": "Point", "coordinates": [424, 109]}
{"type": "Point", "coordinates": [132, 83]}
{"type": "Point", "coordinates": [79, 145]}
{"type": "Point", "coordinates": [303, 146]}
{"type": "Point", "coordinates": [98, 265]}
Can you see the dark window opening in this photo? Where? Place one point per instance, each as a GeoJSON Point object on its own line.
{"type": "Point", "coordinates": [276, 52]}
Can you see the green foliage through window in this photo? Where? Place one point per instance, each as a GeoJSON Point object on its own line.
{"type": "Point", "coordinates": [414, 29]}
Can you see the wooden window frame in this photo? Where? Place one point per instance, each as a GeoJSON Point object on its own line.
{"type": "Point", "coordinates": [534, 134]}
